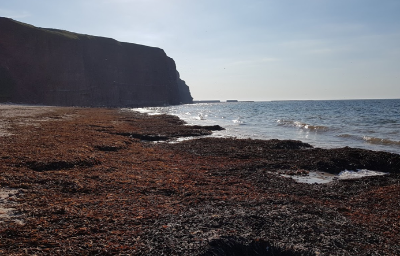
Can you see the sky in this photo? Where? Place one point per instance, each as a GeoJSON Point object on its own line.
{"type": "Point", "coordinates": [248, 50]}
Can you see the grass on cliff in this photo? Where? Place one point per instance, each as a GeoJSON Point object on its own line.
{"type": "Point", "coordinates": [67, 34]}
{"type": "Point", "coordinates": [59, 32]}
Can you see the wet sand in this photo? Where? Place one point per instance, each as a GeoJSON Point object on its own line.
{"type": "Point", "coordinates": [108, 182]}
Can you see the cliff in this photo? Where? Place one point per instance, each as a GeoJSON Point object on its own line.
{"type": "Point", "coordinates": [56, 67]}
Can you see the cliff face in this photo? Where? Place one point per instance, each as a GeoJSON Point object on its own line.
{"type": "Point", "coordinates": [55, 67]}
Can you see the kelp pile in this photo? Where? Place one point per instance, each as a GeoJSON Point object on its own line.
{"type": "Point", "coordinates": [97, 184]}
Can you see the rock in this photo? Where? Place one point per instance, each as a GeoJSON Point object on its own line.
{"type": "Point", "coordinates": [56, 67]}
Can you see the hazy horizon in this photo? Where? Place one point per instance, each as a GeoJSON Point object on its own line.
{"type": "Point", "coordinates": [259, 50]}
{"type": "Point", "coordinates": [224, 100]}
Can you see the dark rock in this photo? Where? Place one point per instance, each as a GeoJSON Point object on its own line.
{"type": "Point", "coordinates": [56, 67]}
{"type": "Point", "coordinates": [290, 154]}
{"type": "Point", "coordinates": [208, 127]}
{"type": "Point", "coordinates": [144, 136]}
{"type": "Point", "coordinates": [60, 165]}
{"type": "Point", "coordinates": [107, 148]}
{"type": "Point", "coordinates": [238, 246]}
{"type": "Point", "coordinates": [184, 92]}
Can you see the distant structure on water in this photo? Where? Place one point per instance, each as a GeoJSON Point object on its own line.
{"type": "Point", "coordinates": [206, 101]}
{"type": "Point", "coordinates": [217, 101]}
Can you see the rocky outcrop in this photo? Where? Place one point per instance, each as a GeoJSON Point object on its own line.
{"type": "Point", "coordinates": [184, 92]}
{"type": "Point", "coordinates": [56, 67]}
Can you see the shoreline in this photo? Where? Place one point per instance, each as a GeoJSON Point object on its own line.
{"type": "Point", "coordinates": [268, 121]}
{"type": "Point", "coordinates": [94, 182]}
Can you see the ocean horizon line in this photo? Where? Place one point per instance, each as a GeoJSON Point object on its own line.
{"type": "Point", "coordinates": [225, 101]}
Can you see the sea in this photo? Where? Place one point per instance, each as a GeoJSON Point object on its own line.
{"type": "Point", "coordinates": [366, 124]}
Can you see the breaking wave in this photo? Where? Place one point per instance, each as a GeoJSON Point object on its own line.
{"type": "Point", "coordinates": [320, 128]}
{"type": "Point", "coordinates": [201, 116]}
{"type": "Point", "coordinates": [239, 121]}
{"type": "Point", "coordinates": [367, 124]}
{"type": "Point", "coordinates": [371, 140]}
{"type": "Point", "coordinates": [374, 140]}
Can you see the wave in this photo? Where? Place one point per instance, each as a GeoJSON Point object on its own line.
{"type": "Point", "coordinates": [201, 116]}
{"type": "Point", "coordinates": [349, 136]}
{"type": "Point", "coordinates": [370, 139]}
{"type": "Point", "coordinates": [374, 140]}
{"type": "Point", "coordinates": [239, 121]}
{"type": "Point", "coordinates": [150, 110]}
{"type": "Point", "coordinates": [320, 128]}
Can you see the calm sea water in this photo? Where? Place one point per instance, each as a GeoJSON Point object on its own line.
{"type": "Point", "coordinates": [368, 124]}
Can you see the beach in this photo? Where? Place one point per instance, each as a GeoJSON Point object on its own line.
{"type": "Point", "coordinates": [98, 181]}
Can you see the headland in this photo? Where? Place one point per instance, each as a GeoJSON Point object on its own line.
{"type": "Point", "coordinates": [61, 68]}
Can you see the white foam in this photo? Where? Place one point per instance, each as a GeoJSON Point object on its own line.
{"type": "Point", "coordinates": [201, 116]}
{"type": "Point", "coordinates": [301, 125]}
{"type": "Point", "coordinates": [312, 177]}
{"type": "Point", "coordinates": [321, 177]}
{"type": "Point", "coordinates": [150, 110]}
{"type": "Point", "coordinates": [238, 120]}
{"type": "Point", "coordinates": [346, 174]}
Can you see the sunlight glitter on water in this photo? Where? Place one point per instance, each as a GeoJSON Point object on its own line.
{"type": "Point", "coordinates": [367, 124]}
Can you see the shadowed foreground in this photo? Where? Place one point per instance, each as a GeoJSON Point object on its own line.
{"type": "Point", "coordinates": [106, 182]}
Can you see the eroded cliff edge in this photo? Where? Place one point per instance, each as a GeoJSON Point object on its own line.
{"type": "Point", "coordinates": [56, 67]}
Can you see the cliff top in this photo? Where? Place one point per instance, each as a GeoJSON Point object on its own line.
{"type": "Point", "coordinates": [4, 21]}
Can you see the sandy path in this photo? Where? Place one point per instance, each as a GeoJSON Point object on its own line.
{"type": "Point", "coordinates": [8, 197]}
{"type": "Point", "coordinates": [20, 114]}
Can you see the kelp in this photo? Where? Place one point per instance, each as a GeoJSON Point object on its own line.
{"type": "Point", "coordinates": [89, 187]}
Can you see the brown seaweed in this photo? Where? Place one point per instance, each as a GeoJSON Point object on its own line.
{"type": "Point", "coordinates": [88, 189]}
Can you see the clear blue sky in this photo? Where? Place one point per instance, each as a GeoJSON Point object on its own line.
{"type": "Point", "coordinates": [248, 50]}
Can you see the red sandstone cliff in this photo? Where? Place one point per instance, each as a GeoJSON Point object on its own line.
{"type": "Point", "coordinates": [55, 67]}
